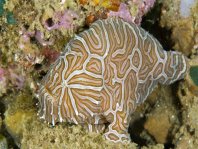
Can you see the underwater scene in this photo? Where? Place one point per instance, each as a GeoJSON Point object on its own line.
{"type": "Point", "coordinates": [98, 74]}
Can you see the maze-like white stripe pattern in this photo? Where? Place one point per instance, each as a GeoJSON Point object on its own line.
{"type": "Point", "coordinates": [104, 73]}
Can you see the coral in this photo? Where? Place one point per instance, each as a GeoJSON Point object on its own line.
{"type": "Point", "coordinates": [18, 80]}
{"type": "Point", "coordinates": [91, 77]}
{"type": "Point", "coordinates": [107, 4]}
{"type": "Point", "coordinates": [18, 112]}
{"type": "Point", "coordinates": [187, 136]}
{"type": "Point", "coordinates": [29, 131]}
{"type": "Point", "coordinates": [40, 38]}
{"type": "Point", "coordinates": [14, 123]}
{"type": "Point", "coordinates": [50, 55]}
{"type": "Point", "coordinates": [64, 136]}
{"type": "Point", "coordinates": [184, 28]}
{"type": "Point", "coordinates": [110, 4]}
{"type": "Point", "coordinates": [25, 39]}
{"type": "Point", "coordinates": [11, 77]}
{"type": "Point", "coordinates": [130, 10]}
{"type": "Point", "coordinates": [123, 13]}
{"type": "Point", "coordinates": [101, 14]}
{"type": "Point", "coordinates": [57, 16]}
{"type": "Point", "coordinates": [3, 81]}
{"type": "Point", "coordinates": [134, 11]}
{"type": "Point", "coordinates": [61, 20]}
{"type": "Point", "coordinates": [140, 9]}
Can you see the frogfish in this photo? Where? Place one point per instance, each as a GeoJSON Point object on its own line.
{"type": "Point", "coordinates": [104, 73]}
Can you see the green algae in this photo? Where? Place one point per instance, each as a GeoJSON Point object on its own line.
{"type": "Point", "coordinates": [194, 74]}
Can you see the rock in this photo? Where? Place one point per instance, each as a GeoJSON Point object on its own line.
{"type": "Point", "coordinates": [3, 142]}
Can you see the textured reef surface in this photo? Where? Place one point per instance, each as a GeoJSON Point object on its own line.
{"type": "Point", "coordinates": [34, 33]}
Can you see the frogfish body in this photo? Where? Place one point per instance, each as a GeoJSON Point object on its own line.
{"type": "Point", "coordinates": [103, 74]}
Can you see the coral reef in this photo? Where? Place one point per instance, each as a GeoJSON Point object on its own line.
{"type": "Point", "coordinates": [29, 131]}
{"type": "Point", "coordinates": [134, 11]}
{"type": "Point", "coordinates": [31, 39]}
{"type": "Point", "coordinates": [123, 13]}
{"type": "Point", "coordinates": [187, 136]}
{"type": "Point", "coordinates": [140, 9]}
{"type": "Point", "coordinates": [64, 136]}
{"type": "Point", "coordinates": [61, 20]}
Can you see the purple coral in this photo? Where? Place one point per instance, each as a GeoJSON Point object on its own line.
{"type": "Point", "coordinates": [123, 13]}
{"type": "Point", "coordinates": [61, 20]}
{"type": "Point", "coordinates": [11, 75]}
{"type": "Point", "coordinates": [26, 35]}
{"type": "Point", "coordinates": [3, 81]}
{"type": "Point", "coordinates": [16, 79]}
{"type": "Point", "coordinates": [40, 38]}
{"type": "Point", "coordinates": [143, 7]}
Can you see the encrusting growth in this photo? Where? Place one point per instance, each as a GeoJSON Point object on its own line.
{"type": "Point", "coordinates": [103, 74]}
